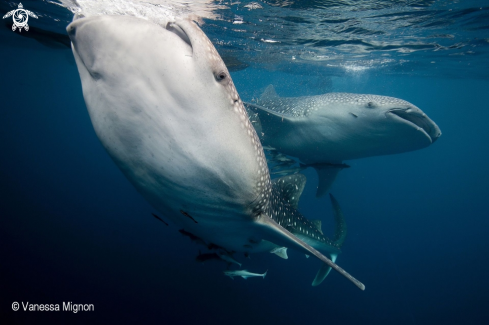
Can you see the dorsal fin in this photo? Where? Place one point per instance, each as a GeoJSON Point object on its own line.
{"type": "Point", "coordinates": [290, 188]}
{"type": "Point", "coordinates": [339, 219]}
{"type": "Point", "coordinates": [269, 93]}
{"type": "Point", "coordinates": [317, 224]}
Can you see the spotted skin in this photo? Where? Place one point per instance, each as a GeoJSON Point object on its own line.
{"type": "Point", "coordinates": [299, 107]}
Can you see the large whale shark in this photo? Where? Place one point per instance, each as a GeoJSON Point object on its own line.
{"type": "Point", "coordinates": [323, 131]}
{"type": "Point", "coordinates": [163, 105]}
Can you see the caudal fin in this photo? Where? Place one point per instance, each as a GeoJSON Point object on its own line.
{"type": "Point", "coordinates": [340, 224]}
{"type": "Point", "coordinates": [323, 272]}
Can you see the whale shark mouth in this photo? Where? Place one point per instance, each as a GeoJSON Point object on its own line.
{"type": "Point", "coordinates": [418, 120]}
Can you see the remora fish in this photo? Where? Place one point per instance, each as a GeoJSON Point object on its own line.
{"type": "Point", "coordinates": [243, 273]}
{"type": "Point", "coordinates": [202, 258]}
{"type": "Point", "coordinates": [225, 256]}
{"type": "Point", "coordinates": [323, 131]}
{"type": "Point", "coordinates": [164, 106]}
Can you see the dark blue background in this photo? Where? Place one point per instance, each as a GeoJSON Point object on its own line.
{"type": "Point", "coordinates": [72, 228]}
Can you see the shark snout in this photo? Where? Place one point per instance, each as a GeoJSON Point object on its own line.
{"type": "Point", "coordinates": [95, 40]}
{"type": "Point", "coordinates": [81, 44]}
{"type": "Point", "coordinates": [73, 26]}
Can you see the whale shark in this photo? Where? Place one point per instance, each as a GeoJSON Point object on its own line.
{"type": "Point", "coordinates": [165, 108]}
{"type": "Point", "coordinates": [325, 130]}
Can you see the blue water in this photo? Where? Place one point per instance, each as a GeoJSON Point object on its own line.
{"type": "Point", "coordinates": [72, 228]}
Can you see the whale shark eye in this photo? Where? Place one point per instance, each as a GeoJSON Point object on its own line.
{"type": "Point", "coordinates": [370, 105]}
{"type": "Point", "coordinates": [221, 76]}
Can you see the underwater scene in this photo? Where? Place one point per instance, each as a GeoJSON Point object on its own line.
{"type": "Point", "coordinates": [244, 162]}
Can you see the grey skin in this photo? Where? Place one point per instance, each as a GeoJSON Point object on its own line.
{"type": "Point", "coordinates": [323, 131]}
{"type": "Point", "coordinates": [165, 108]}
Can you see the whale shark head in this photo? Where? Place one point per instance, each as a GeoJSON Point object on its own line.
{"type": "Point", "coordinates": [166, 110]}
{"type": "Point", "coordinates": [389, 121]}
{"type": "Point", "coordinates": [163, 104]}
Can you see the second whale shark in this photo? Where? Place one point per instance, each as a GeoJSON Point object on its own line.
{"type": "Point", "coordinates": [325, 130]}
{"type": "Point", "coordinates": [165, 108]}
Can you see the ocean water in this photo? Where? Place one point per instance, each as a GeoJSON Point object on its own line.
{"type": "Point", "coordinates": [73, 229]}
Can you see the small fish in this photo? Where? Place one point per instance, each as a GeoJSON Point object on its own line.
{"type": "Point", "coordinates": [187, 215]}
{"type": "Point", "coordinates": [244, 274]}
{"type": "Point", "coordinates": [192, 237]}
{"type": "Point", "coordinates": [207, 257]}
{"type": "Point", "coordinates": [212, 246]}
{"type": "Point", "coordinates": [154, 215]}
{"type": "Point", "coordinates": [227, 257]}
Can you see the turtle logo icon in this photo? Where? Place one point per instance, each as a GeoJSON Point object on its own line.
{"type": "Point", "coordinates": [20, 17]}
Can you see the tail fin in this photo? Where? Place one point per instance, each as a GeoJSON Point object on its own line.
{"type": "Point", "coordinates": [264, 274]}
{"type": "Point", "coordinates": [323, 272]}
{"type": "Point", "coordinates": [339, 219]}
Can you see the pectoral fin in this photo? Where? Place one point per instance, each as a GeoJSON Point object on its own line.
{"type": "Point", "coordinates": [280, 252]}
{"type": "Point", "coordinates": [327, 174]}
